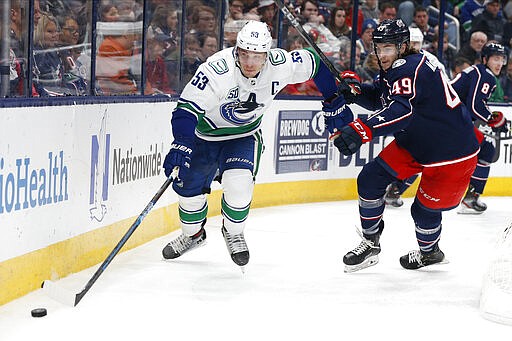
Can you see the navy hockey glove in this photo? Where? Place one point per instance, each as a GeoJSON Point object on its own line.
{"type": "Point", "coordinates": [336, 114]}
{"type": "Point", "coordinates": [350, 138]}
{"type": "Point", "coordinates": [351, 87]}
{"type": "Point", "coordinates": [179, 156]}
{"type": "Point", "coordinates": [498, 122]}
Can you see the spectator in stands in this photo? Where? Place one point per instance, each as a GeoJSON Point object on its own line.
{"type": "Point", "coordinates": [345, 55]}
{"type": "Point", "coordinates": [69, 37]}
{"type": "Point", "coordinates": [126, 10]}
{"type": "Point", "coordinates": [471, 51]}
{"type": "Point", "coordinates": [18, 26]}
{"type": "Point", "coordinates": [370, 10]}
{"type": "Point", "coordinates": [459, 64]}
{"type": "Point", "coordinates": [347, 5]}
{"type": "Point", "coordinates": [156, 71]}
{"type": "Point", "coordinates": [322, 36]}
{"type": "Point", "coordinates": [165, 22]}
{"type": "Point", "coordinates": [114, 74]}
{"type": "Point", "coordinates": [365, 43]}
{"type": "Point", "coordinates": [489, 22]}
{"type": "Point", "coordinates": [203, 20]}
{"type": "Point", "coordinates": [370, 69]}
{"type": "Point", "coordinates": [235, 11]}
{"type": "Point", "coordinates": [406, 10]}
{"type": "Point", "coordinates": [506, 82]}
{"type": "Point", "coordinates": [15, 72]}
{"type": "Point", "coordinates": [309, 12]}
{"type": "Point", "coordinates": [337, 23]}
{"type": "Point", "coordinates": [507, 33]}
{"type": "Point", "coordinates": [387, 11]}
{"type": "Point", "coordinates": [307, 88]}
{"type": "Point", "coordinates": [267, 11]}
{"type": "Point", "coordinates": [208, 44]}
{"type": "Point", "coordinates": [294, 42]}
{"type": "Point", "coordinates": [191, 56]}
{"type": "Point", "coordinates": [109, 13]}
{"type": "Point", "coordinates": [230, 31]}
{"type": "Point", "coordinates": [48, 69]}
{"type": "Point", "coordinates": [469, 10]}
{"type": "Point", "coordinates": [420, 21]}
{"type": "Point", "coordinates": [448, 56]}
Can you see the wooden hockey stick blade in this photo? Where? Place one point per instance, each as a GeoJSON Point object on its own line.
{"type": "Point", "coordinates": [59, 294]}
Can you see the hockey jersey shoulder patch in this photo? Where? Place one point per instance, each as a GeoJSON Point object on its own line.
{"type": "Point", "coordinates": [398, 63]}
{"type": "Point", "coordinates": [219, 66]}
{"type": "Point", "coordinates": [277, 57]}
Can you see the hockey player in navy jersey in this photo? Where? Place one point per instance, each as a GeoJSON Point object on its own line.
{"type": "Point", "coordinates": [475, 86]}
{"type": "Point", "coordinates": [216, 130]}
{"type": "Point", "coordinates": [433, 136]}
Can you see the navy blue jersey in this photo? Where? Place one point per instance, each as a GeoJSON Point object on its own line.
{"type": "Point", "coordinates": [416, 103]}
{"type": "Point", "coordinates": [474, 86]}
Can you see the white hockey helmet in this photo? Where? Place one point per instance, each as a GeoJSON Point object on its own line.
{"type": "Point", "coordinates": [254, 36]}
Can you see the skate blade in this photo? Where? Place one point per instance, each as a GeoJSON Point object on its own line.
{"type": "Point", "coordinates": [444, 261]}
{"type": "Point", "coordinates": [370, 261]}
{"type": "Point", "coordinates": [197, 246]}
{"type": "Point", "coordinates": [466, 210]}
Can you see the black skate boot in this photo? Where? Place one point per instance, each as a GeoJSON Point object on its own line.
{"type": "Point", "coordinates": [237, 247]}
{"type": "Point", "coordinates": [417, 259]}
{"type": "Point", "coordinates": [392, 196]}
{"type": "Point", "coordinates": [183, 244]}
{"type": "Point", "coordinates": [471, 203]}
{"type": "Point", "coordinates": [366, 254]}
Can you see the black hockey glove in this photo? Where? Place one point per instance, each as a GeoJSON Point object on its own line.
{"type": "Point", "coordinates": [351, 87]}
{"type": "Point", "coordinates": [179, 156]}
{"type": "Point", "coordinates": [498, 122]}
{"type": "Point", "coordinates": [350, 138]}
{"type": "Point", "coordinates": [336, 114]}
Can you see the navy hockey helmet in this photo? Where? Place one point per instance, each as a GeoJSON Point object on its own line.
{"type": "Point", "coordinates": [492, 49]}
{"type": "Point", "coordinates": [392, 32]}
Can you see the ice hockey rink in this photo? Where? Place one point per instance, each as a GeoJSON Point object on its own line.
{"type": "Point", "coordinates": [294, 287]}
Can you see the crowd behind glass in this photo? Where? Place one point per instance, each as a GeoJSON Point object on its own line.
{"type": "Point", "coordinates": [164, 41]}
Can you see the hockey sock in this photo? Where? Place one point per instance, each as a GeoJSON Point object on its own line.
{"type": "Point", "coordinates": [428, 226]}
{"type": "Point", "coordinates": [480, 175]}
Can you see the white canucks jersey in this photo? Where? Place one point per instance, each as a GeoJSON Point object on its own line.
{"type": "Point", "coordinates": [229, 105]}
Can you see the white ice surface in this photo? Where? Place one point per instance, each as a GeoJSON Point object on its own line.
{"type": "Point", "coordinates": [294, 287]}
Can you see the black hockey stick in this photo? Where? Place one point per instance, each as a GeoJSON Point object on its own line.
{"type": "Point", "coordinates": [292, 18]}
{"type": "Point", "coordinates": [72, 299]}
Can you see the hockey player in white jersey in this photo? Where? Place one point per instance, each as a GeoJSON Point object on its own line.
{"type": "Point", "coordinates": [216, 130]}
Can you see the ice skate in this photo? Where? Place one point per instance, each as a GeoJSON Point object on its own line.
{"type": "Point", "coordinates": [237, 247]}
{"type": "Point", "coordinates": [183, 244]}
{"type": "Point", "coordinates": [392, 196]}
{"type": "Point", "coordinates": [417, 259]}
{"type": "Point", "coordinates": [365, 254]}
{"type": "Point", "coordinates": [471, 203]}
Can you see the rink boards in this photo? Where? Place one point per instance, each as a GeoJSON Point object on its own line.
{"type": "Point", "coordinates": [73, 178]}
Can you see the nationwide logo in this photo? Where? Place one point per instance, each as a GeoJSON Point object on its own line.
{"type": "Point", "coordinates": [127, 166]}
{"type": "Point", "coordinates": [98, 194]}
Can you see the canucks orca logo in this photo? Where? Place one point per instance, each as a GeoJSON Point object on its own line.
{"type": "Point", "coordinates": [240, 112]}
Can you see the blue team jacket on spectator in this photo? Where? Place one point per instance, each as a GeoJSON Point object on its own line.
{"type": "Point", "coordinates": [420, 107]}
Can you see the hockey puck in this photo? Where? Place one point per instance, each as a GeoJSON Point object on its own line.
{"type": "Point", "coordinates": [39, 312]}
